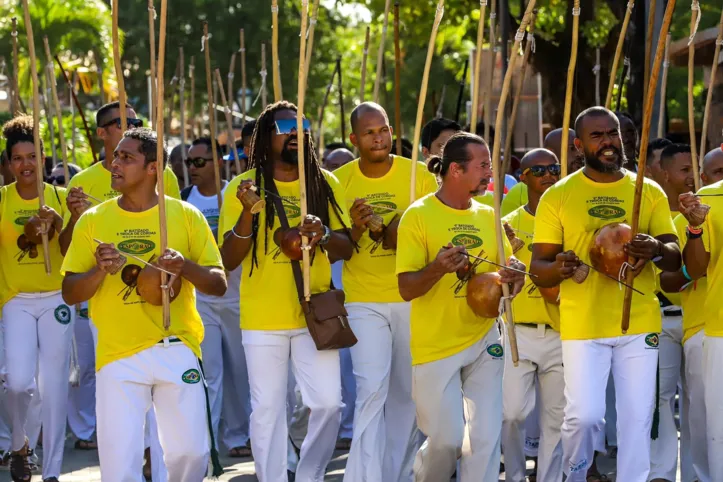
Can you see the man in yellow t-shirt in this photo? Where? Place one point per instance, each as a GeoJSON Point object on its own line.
{"type": "Point", "coordinates": [676, 176]}
{"type": "Point", "coordinates": [567, 220]}
{"type": "Point", "coordinates": [272, 322]}
{"type": "Point", "coordinates": [457, 356]}
{"type": "Point", "coordinates": [141, 364]}
{"type": "Point", "coordinates": [517, 195]}
{"type": "Point", "coordinates": [538, 342]}
{"type": "Point", "coordinates": [701, 298]}
{"type": "Point", "coordinates": [377, 186]}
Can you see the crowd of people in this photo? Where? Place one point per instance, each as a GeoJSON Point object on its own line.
{"type": "Point", "coordinates": [429, 387]}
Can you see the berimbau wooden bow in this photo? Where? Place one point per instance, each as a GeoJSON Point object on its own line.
{"type": "Point", "coordinates": [709, 98]}
{"type": "Point", "coordinates": [568, 91]}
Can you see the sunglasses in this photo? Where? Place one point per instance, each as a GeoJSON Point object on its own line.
{"type": "Point", "coordinates": [539, 171]}
{"type": "Point", "coordinates": [197, 162]}
{"type": "Point", "coordinates": [130, 123]}
{"type": "Point", "coordinates": [285, 126]}
{"type": "Point", "coordinates": [58, 180]}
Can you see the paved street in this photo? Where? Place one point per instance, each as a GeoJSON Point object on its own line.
{"type": "Point", "coordinates": [82, 466]}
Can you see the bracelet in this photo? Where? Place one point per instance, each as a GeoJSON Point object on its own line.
{"type": "Point", "coordinates": [694, 229]}
{"type": "Point", "coordinates": [693, 233]}
{"type": "Point", "coordinates": [685, 273]}
{"type": "Point", "coordinates": [233, 231]}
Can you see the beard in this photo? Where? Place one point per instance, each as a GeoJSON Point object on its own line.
{"type": "Point", "coordinates": [592, 159]}
{"type": "Point", "coordinates": [290, 156]}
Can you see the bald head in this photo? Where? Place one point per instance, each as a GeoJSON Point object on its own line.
{"type": "Point", "coordinates": [364, 110]}
{"type": "Point", "coordinates": [553, 142]}
{"type": "Point", "coordinates": [538, 157]}
{"type": "Point", "coordinates": [338, 158]}
{"type": "Point", "coordinates": [712, 167]}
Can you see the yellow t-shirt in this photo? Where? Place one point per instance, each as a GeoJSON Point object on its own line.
{"type": "Point", "coordinates": [569, 214]}
{"type": "Point", "coordinates": [368, 276]}
{"type": "Point", "coordinates": [126, 323]}
{"type": "Point", "coordinates": [23, 264]}
{"type": "Point", "coordinates": [713, 241]}
{"type": "Point", "coordinates": [269, 300]}
{"type": "Point", "coordinates": [516, 197]}
{"type": "Point", "coordinates": [486, 199]}
{"type": "Point", "coordinates": [529, 306]}
{"type": "Point", "coordinates": [95, 180]}
{"type": "Point", "coordinates": [442, 323]}
{"type": "Point", "coordinates": [692, 298]}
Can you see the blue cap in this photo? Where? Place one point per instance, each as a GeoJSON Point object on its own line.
{"type": "Point", "coordinates": [241, 155]}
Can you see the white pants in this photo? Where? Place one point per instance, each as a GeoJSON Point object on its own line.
{"type": "Point", "coordinates": [713, 380]}
{"type": "Point", "coordinates": [540, 353]}
{"type": "Point", "coordinates": [300, 417]}
{"type": "Point", "coordinates": [609, 437]}
{"type": "Point", "coordinates": [695, 406]}
{"type": "Point", "coordinates": [166, 377]}
{"type": "Point", "coordinates": [81, 400]}
{"type": "Point", "coordinates": [224, 365]}
{"type": "Point", "coordinates": [664, 450]}
{"type": "Point", "coordinates": [385, 433]}
{"type": "Point", "coordinates": [463, 387]}
{"type": "Point", "coordinates": [318, 376]}
{"type": "Point", "coordinates": [38, 333]}
{"type": "Point", "coordinates": [532, 425]}
{"type": "Point", "coordinates": [633, 361]}
{"type": "Point", "coordinates": [34, 419]}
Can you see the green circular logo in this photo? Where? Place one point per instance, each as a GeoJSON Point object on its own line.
{"type": "Point", "coordinates": [469, 241]}
{"type": "Point", "coordinates": [191, 376]}
{"type": "Point", "coordinates": [62, 314]}
{"type": "Point", "coordinates": [652, 340]}
{"type": "Point", "coordinates": [495, 350]}
{"type": "Point", "coordinates": [606, 212]}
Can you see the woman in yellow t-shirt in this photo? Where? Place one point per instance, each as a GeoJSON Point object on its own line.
{"type": "Point", "coordinates": [38, 325]}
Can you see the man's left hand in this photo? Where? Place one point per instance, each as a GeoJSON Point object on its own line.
{"type": "Point", "coordinates": [172, 261]}
{"type": "Point", "coordinates": [312, 228]}
{"type": "Point", "coordinates": [643, 247]}
{"type": "Point", "coordinates": [515, 278]}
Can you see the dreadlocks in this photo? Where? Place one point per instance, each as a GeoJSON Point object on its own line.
{"type": "Point", "coordinates": [319, 194]}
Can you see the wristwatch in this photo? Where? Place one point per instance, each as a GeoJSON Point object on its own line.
{"type": "Point", "coordinates": [325, 238]}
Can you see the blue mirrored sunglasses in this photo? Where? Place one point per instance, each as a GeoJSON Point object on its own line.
{"type": "Point", "coordinates": [285, 126]}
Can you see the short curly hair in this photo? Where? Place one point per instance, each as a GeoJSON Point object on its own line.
{"type": "Point", "coordinates": [19, 129]}
{"type": "Point", "coordinates": [149, 144]}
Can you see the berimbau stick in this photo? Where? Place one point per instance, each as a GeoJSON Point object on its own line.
{"type": "Point", "coordinates": [709, 98]}
{"type": "Point", "coordinates": [119, 67]}
{"type": "Point", "coordinates": [478, 64]}
{"type": "Point", "coordinates": [14, 100]}
{"type": "Point", "coordinates": [264, 74]}
{"type": "Point", "coordinates": [301, 136]}
{"type": "Point", "coordinates": [211, 114]}
{"type": "Point", "coordinates": [499, 230]}
{"type": "Point", "coordinates": [397, 79]}
{"type": "Point", "coordinates": [642, 159]}
{"type": "Point", "coordinates": [422, 98]}
{"type": "Point", "coordinates": [380, 53]}
{"type": "Point", "coordinates": [568, 91]}
{"type": "Point", "coordinates": [490, 75]}
{"type": "Point", "coordinates": [278, 95]}
{"type": "Point", "coordinates": [229, 123]}
{"type": "Point", "coordinates": [182, 101]}
{"type": "Point", "coordinates": [152, 43]}
{"type": "Point", "coordinates": [365, 54]}
{"type": "Point", "coordinates": [39, 159]}
{"type": "Point", "coordinates": [618, 52]}
{"type": "Point", "coordinates": [663, 88]}
{"type": "Point", "coordinates": [648, 44]}
{"type": "Point", "coordinates": [694, 20]}
{"type": "Point", "coordinates": [242, 51]}
{"type": "Point", "coordinates": [58, 112]}
{"type": "Point", "coordinates": [310, 39]}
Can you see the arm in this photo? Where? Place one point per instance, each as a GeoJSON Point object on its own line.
{"type": "Point", "coordinates": [209, 280]}
{"type": "Point", "coordinates": [672, 282]}
{"type": "Point", "coordinates": [695, 255]}
{"type": "Point", "coordinates": [645, 247]}
{"type": "Point", "coordinates": [237, 241]}
{"type": "Point", "coordinates": [339, 245]}
{"type": "Point", "coordinates": [80, 287]}
{"type": "Point", "coordinates": [551, 265]}
{"type": "Point", "coordinates": [414, 284]}
{"type": "Point", "coordinates": [77, 203]}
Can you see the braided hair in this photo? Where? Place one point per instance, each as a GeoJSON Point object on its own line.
{"type": "Point", "coordinates": [319, 194]}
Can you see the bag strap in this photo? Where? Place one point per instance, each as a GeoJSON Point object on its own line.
{"type": "Point", "coordinates": [186, 192]}
{"type": "Point", "coordinates": [295, 265]}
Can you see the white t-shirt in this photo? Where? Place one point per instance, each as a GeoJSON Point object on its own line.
{"type": "Point", "coordinates": [208, 205]}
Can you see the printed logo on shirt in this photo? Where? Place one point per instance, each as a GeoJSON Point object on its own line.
{"type": "Point", "coordinates": [495, 350]}
{"type": "Point", "coordinates": [137, 246]}
{"type": "Point", "coordinates": [578, 466]}
{"type": "Point", "coordinates": [469, 241]}
{"type": "Point", "coordinates": [191, 376]}
{"type": "Point", "coordinates": [22, 220]}
{"type": "Point", "coordinates": [606, 212]}
{"type": "Point", "coordinates": [291, 207]}
{"type": "Point", "coordinates": [383, 207]}
{"type": "Point", "coordinates": [652, 340]}
{"type": "Point", "coordinates": [62, 314]}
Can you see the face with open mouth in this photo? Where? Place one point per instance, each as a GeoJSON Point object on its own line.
{"type": "Point", "coordinates": [23, 163]}
{"type": "Point", "coordinates": [599, 139]}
